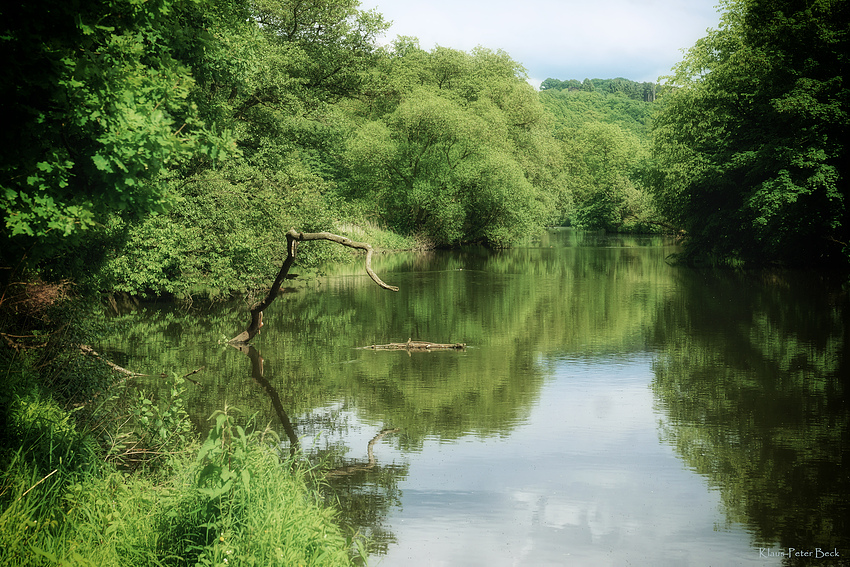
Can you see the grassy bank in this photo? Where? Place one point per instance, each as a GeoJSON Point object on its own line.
{"type": "Point", "coordinates": [109, 476]}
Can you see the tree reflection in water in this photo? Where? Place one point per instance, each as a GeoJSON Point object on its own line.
{"type": "Point", "coordinates": [363, 490]}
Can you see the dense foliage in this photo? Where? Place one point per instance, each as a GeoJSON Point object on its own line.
{"type": "Point", "coordinates": [98, 100]}
{"type": "Point", "coordinates": [751, 148]}
{"type": "Point", "coordinates": [230, 501]}
{"type": "Point", "coordinates": [453, 145]}
{"type": "Point", "coordinates": [637, 91]}
{"type": "Point", "coordinates": [604, 139]}
{"type": "Point", "coordinates": [177, 141]}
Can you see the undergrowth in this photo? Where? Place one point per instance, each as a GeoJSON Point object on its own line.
{"type": "Point", "coordinates": [147, 492]}
{"type": "Point", "coordinates": [96, 472]}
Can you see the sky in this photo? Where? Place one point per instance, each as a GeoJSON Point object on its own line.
{"type": "Point", "coordinates": [562, 39]}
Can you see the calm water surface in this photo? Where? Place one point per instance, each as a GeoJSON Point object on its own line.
{"type": "Point", "coordinates": [609, 409]}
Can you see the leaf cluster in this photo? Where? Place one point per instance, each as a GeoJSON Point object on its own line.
{"type": "Point", "coordinates": [99, 100]}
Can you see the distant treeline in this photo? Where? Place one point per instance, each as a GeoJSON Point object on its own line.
{"type": "Point", "coordinates": [631, 89]}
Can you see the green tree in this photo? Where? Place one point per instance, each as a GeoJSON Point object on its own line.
{"type": "Point", "coordinates": [601, 159]}
{"type": "Point", "coordinates": [98, 101]}
{"type": "Point", "coordinates": [604, 139]}
{"type": "Point", "coordinates": [751, 147]}
{"type": "Point", "coordinates": [454, 146]}
{"type": "Point", "coordinates": [275, 78]}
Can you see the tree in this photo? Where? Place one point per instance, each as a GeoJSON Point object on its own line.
{"type": "Point", "coordinates": [274, 76]}
{"type": "Point", "coordinates": [751, 148]}
{"type": "Point", "coordinates": [328, 43]}
{"type": "Point", "coordinates": [98, 100]}
{"type": "Point", "coordinates": [453, 146]}
{"type": "Point", "coordinates": [601, 159]}
{"type": "Point", "coordinates": [604, 137]}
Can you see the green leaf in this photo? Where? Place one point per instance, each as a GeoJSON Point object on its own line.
{"type": "Point", "coordinates": [101, 163]}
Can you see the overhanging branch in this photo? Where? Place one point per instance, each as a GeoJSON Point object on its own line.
{"type": "Point", "coordinates": [293, 237]}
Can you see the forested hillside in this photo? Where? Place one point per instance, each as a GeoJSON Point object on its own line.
{"type": "Point", "coordinates": [645, 91]}
{"type": "Point", "coordinates": [604, 131]}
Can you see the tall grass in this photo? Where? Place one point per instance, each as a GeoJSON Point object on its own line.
{"type": "Point", "coordinates": [230, 501]}
{"type": "Point", "coordinates": [239, 503]}
{"type": "Point", "coordinates": [379, 238]}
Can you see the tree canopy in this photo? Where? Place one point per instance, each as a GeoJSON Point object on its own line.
{"type": "Point", "coordinates": [751, 148]}
{"type": "Point", "coordinates": [98, 98]}
{"type": "Point", "coordinates": [453, 145]}
{"type": "Point", "coordinates": [174, 142]}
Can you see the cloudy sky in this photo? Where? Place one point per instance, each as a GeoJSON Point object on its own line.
{"type": "Point", "coordinates": [563, 39]}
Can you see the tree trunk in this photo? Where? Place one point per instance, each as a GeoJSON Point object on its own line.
{"type": "Point", "coordinates": [293, 237]}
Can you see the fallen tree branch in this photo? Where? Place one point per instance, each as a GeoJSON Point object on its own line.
{"type": "Point", "coordinates": [86, 349]}
{"type": "Point", "coordinates": [418, 345]}
{"type": "Point", "coordinates": [17, 346]}
{"type": "Point", "coordinates": [293, 237]}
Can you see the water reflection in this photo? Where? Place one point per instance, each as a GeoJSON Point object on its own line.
{"type": "Point", "coordinates": [609, 408]}
{"type": "Point", "coordinates": [258, 374]}
{"type": "Point", "coordinates": [753, 380]}
{"type": "Point", "coordinates": [583, 482]}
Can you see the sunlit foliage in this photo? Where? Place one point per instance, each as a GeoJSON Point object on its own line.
{"type": "Point", "coordinates": [453, 145]}
{"type": "Point", "coordinates": [604, 142]}
{"type": "Point", "coordinates": [98, 99]}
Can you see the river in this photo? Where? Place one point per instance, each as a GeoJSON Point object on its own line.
{"type": "Point", "coordinates": [609, 408]}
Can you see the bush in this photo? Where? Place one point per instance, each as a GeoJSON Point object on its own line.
{"type": "Point", "coordinates": [226, 235]}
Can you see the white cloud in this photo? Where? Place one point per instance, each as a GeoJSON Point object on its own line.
{"type": "Point", "coordinates": [567, 39]}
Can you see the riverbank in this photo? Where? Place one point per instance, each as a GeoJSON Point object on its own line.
{"type": "Point", "coordinates": [97, 472]}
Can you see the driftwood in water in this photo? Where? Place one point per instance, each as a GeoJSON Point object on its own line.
{"type": "Point", "coordinates": [293, 237]}
{"type": "Point", "coordinates": [418, 345]}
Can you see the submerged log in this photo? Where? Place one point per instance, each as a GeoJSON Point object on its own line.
{"type": "Point", "coordinates": [418, 345]}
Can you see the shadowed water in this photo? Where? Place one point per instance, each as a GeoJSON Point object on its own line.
{"type": "Point", "coordinates": [609, 409]}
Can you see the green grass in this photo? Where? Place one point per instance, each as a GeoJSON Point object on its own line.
{"type": "Point", "coordinates": [380, 239]}
{"type": "Point", "coordinates": [229, 501]}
